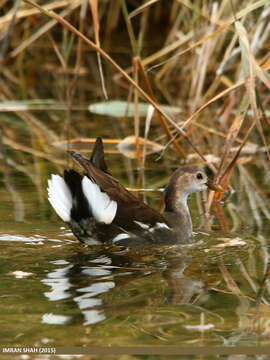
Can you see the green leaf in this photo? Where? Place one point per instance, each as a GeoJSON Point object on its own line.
{"type": "Point", "coordinates": [118, 108]}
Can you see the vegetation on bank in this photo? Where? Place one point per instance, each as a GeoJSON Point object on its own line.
{"type": "Point", "coordinates": [208, 59]}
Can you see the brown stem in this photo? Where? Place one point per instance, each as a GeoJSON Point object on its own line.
{"type": "Point", "coordinates": [66, 24]}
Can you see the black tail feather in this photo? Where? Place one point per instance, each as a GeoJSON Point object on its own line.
{"type": "Point", "coordinates": [97, 157]}
{"type": "Point", "coordinates": [80, 208]}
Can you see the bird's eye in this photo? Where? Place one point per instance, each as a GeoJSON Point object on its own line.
{"type": "Point", "coordinates": [199, 176]}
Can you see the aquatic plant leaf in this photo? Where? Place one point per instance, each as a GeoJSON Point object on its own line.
{"type": "Point", "coordinates": [128, 146]}
{"type": "Point", "coordinates": [118, 108]}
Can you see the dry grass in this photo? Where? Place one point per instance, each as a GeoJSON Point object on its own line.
{"type": "Point", "coordinates": [205, 57]}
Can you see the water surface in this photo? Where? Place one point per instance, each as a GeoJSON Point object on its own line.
{"type": "Point", "coordinates": [54, 291]}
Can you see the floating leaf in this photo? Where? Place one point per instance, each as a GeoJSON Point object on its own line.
{"type": "Point", "coordinates": [128, 146]}
{"type": "Point", "coordinates": [118, 108]}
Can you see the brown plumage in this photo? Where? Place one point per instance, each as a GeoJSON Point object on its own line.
{"type": "Point", "coordinates": [100, 210]}
{"type": "Point", "coordinates": [129, 207]}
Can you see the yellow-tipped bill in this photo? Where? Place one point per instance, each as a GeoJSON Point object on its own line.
{"type": "Point", "coordinates": [215, 187]}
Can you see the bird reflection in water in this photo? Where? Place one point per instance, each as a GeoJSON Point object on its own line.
{"type": "Point", "coordinates": [95, 281]}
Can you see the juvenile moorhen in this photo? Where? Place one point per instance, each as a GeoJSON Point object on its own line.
{"type": "Point", "coordinates": [100, 210]}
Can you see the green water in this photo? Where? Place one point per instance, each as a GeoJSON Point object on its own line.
{"type": "Point", "coordinates": [56, 292]}
{"type": "Point", "coordinates": [212, 291]}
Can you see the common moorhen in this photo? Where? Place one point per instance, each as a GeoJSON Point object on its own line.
{"type": "Point", "coordinates": [100, 210]}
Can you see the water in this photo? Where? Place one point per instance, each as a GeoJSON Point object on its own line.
{"type": "Point", "coordinates": [55, 291]}
{"type": "Point", "coordinates": [212, 291]}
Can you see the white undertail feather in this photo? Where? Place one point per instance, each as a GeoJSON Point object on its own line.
{"type": "Point", "coordinates": [102, 207]}
{"type": "Point", "coordinates": [121, 237]}
{"type": "Point", "coordinates": [60, 197]}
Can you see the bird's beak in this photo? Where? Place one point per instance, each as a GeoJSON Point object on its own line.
{"type": "Point", "coordinates": [215, 187]}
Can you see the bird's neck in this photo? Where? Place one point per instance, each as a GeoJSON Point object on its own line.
{"type": "Point", "coordinates": [178, 214]}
